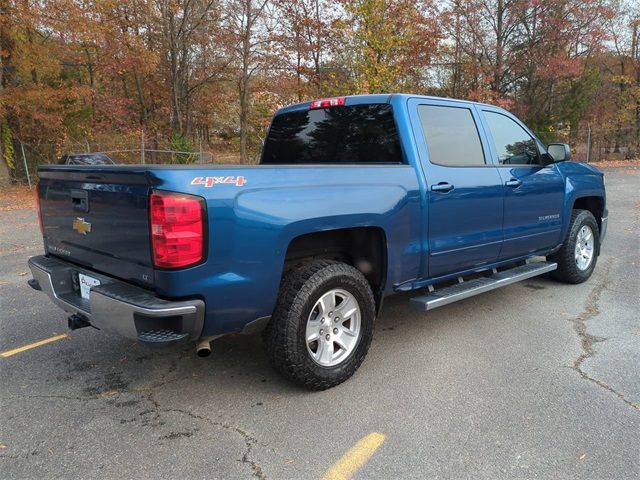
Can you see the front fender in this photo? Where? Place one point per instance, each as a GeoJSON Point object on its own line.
{"type": "Point", "coordinates": [581, 181]}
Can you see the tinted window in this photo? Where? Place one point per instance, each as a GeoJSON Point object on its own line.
{"type": "Point", "coordinates": [86, 159]}
{"type": "Point", "coordinates": [452, 136]}
{"type": "Point", "coordinates": [359, 133]}
{"type": "Point", "coordinates": [513, 144]}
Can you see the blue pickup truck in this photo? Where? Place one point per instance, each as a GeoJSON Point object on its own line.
{"type": "Point", "coordinates": [355, 198]}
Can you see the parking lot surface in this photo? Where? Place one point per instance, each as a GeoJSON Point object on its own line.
{"type": "Point", "coordinates": [535, 380]}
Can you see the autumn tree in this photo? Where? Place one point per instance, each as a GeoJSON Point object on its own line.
{"type": "Point", "coordinates": [37, 106]}
{"type": "Point", "coordinates": [305, 42]}
{"type": "Point", "coordinates": [248, 35]}
{"type": "Point", "coordinates": [623, 71]}
{"type": "Point", "coordinates": [190, 32]}
{"type": "Point", "coordinates": [214, 71]}
{"type": "Point", "coordinates": [527, 55]}
{"type": "Point", "coordinates": [388, 44]}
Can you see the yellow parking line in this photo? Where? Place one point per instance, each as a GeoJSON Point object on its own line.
{"type": "Point", "coordinates": [355, 458]}
{"type": "Point", "coordinates": [9, 353]}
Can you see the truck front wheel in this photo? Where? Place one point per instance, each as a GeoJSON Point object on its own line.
{"type": "Point", "coordinates": [577, 257]}
{"type": "Point", "coordinates": [322, 326]}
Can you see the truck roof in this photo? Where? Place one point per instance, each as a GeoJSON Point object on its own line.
{"type": "Point", "coordinates": [376, 98]}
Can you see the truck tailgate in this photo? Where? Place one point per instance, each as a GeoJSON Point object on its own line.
{"type": "Point", "coordinates": [98, 218]}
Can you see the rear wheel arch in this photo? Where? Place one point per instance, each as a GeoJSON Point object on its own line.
{"type": "Point", "coordinates": [364, 248]}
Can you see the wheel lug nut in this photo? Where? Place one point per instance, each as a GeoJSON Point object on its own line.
{"type": "Point", "coordinates": [335, 330]}
{"type": "Point", "coordinates": [328, 337]}
{"type": "Point", "coordinates": [337, 319]}
{"type": "Point", "coordinates": [322, 320]}
{"type": "Point", "coordinates": [321, 332]}
{"type": "Point", "coordinates": [330, 313]}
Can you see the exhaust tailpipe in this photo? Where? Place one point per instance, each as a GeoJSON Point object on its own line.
{"type": "Point", "coordinates": [203, 349]}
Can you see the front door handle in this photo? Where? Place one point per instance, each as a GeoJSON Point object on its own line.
{"type": "Point", "coordinates": [442, 187]}
{"type": "Point", "coordinates": [515, 183]}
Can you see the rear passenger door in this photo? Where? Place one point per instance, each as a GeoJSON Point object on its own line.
{"type": "Point", "coordinates": [464, 198]}
{"type": "Point", "coordinates": [534, 193]}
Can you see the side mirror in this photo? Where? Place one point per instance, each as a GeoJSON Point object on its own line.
{"type": "Point", "coordinates": [559, 151]}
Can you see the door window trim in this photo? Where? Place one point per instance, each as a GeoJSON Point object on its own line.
{"type": "Point", "coordinates": [494, 157]}
{"type": "Point", "coordinates": [421, 143]}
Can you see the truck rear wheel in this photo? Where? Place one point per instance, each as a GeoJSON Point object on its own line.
{"type": "Point", "coordinates": [322, 326]}
{"type": "Point", "coordinates": [578, 255]}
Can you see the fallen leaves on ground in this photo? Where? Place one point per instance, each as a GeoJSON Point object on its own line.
{"type": "Point", "coordinates": [617, 163]}
{"type": "Point", "coordinates": [16, 198]}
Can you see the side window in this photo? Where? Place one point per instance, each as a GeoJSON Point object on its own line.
{"type": "Point", "coordinates": [452, 136]}
{"type": "Point", "coordinates": [513, 144]}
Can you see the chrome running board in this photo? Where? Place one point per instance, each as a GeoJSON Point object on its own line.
{"type": "Point", "coordinates": [439, 297]}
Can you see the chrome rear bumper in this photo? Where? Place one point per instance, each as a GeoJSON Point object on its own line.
{"type": "Point", "coordinates": [118, 306]}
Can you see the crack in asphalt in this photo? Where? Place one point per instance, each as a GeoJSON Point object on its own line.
{"type": "Point", "coordinates": [249, 439]}
{"type": "Point", "coordinates": [147, 393]}
{"type": "Point", "coordinates": [24, 455]}
{"type": "Point", "coordinates": [591, 309]}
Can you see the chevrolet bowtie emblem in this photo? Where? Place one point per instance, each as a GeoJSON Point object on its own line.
{"type": "Point", "coordinates": [80, 226]}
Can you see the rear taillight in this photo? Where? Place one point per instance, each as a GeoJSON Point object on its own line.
{"type": "Point", "coordinates": [177, 229]}
{"type": "Point", "coordinates": [327, 102]}
{"type": "Point", "coordinates": [37, 191]}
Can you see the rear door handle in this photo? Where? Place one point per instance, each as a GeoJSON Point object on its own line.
{"type": "Point", "coordinates": [515, 183]}
{"type": "Point", "coordinates": [442, 187]}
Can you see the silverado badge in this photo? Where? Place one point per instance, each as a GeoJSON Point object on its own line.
{"type": "Point", "coordinates": [80, 226]}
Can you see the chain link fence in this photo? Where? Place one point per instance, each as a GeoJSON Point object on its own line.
{"type": "Point", "coordinates": [588, 145]}
{"type": "Point", "coordinates": [599, 144]}
{"type": "Point", "coordinates": [29, 156]}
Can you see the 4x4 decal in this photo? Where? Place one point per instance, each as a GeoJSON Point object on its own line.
{"type": "Point", "coordinates": [238, 181]}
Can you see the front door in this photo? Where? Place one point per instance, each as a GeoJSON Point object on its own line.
{"type": "Point", "coordinates": [465, 189]}
{"type": "Point", "coordinates": [534, 193]}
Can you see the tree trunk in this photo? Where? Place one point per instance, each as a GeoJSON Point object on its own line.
{"type": "Point", "coordinates": [244, 122]}
{"type": "Point", "coordinates": [5, 174]}
{"type": "Point", "coordinates": [497, 71]}
{"type": "Point", "coordinates": [144, 114]}
{"type": "Point", "coordinates": [635, 55]}
{"type": "Point", "coordinates": [243, 84]}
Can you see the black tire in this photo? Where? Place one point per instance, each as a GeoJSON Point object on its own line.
{"type": "Point", "coordinates": [568, 270]}
{"type": "Point", "coordinates": [284, 337]}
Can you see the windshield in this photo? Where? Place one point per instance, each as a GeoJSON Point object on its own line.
{"type": "Point", "coordinates": [345, 134]}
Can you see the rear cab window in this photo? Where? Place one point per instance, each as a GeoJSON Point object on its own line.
{"type": "Point", "coordinates": [364, 133]}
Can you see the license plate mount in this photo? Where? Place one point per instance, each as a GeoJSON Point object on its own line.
{"type": "Point", "coordinates": [86, 282]}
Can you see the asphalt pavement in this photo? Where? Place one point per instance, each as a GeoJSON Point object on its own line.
{"type": "Point", "coordinates": [535, 380]}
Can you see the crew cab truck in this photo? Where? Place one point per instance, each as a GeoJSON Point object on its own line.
{"type": "Point", "coordinates": [355, 198]}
